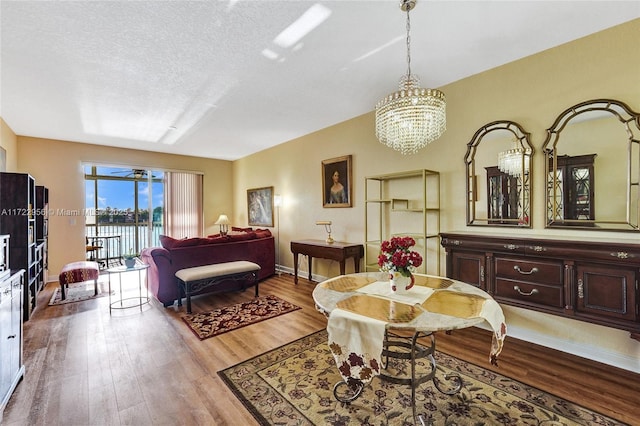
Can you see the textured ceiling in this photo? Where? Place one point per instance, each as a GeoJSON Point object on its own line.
{"type": "Point", "coordinates": [192, 77]}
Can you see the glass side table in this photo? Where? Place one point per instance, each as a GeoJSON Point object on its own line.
{"type": "Point", "coordinates": [134, 301]}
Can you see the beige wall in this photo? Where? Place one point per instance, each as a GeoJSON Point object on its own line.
{"type": "Point", "coordinates": [9, 141]}
{"type": "Point", "coordinates": [58, 166]}
{"type": "Point", "coordinates": [532, 92]}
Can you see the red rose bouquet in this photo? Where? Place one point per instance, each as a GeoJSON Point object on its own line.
{"type": "Point", "coordinates": [396, 256]}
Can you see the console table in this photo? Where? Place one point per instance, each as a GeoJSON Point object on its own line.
{"type": "Point", "coordinates": [339, 251]}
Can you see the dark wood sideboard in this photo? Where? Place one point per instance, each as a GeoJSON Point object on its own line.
{"type": "Point", "coordinates": [591, 281]}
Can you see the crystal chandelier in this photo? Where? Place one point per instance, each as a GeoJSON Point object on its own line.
{"type": "Point", "coordinates": [512, 161]}
{"type": "Point", "coordinates": [412, 117]}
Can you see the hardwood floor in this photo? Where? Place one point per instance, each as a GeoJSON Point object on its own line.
{"type": "Point", "coordinates": [85, 367]}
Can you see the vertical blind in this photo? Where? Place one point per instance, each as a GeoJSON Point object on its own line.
{"type": "Point", "coordinates": [183, 205]}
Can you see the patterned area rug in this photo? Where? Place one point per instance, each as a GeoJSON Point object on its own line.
{"type": "Point", "coordinates": [218, 321]}
{"type": "Point", "coordinates": [78, 293]}
{"type": "Point", "coordinates": [293, 385]}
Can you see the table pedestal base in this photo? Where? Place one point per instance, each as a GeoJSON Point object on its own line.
{"type": "Point", "coordinates": [397, 351]}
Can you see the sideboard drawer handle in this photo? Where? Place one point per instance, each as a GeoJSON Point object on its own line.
{"type": "Point", "coordinates": [532, 271]}
{"type": "Point", "coordinates": [511, 247]}
{"type": "Point", "coordinates": [621, 255]}
{"type": "Point", "coordinates": [531, 293]}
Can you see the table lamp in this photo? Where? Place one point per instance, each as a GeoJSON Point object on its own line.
{"type": "Point", "coordinates": [224, 222]}
{"type": "Point", "coordinates": [327, 227]}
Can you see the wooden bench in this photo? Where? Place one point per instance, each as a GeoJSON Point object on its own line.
{"type": "Point", "coordinates": [193, 280]}
{"type": "Point", "coordinates": [78, 272]}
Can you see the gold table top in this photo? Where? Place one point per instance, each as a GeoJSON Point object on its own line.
{"type": "Point", "coordinates": [435, 303]}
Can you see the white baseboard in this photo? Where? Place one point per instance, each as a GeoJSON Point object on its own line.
{"type": "Point", "coordinates": [591, 352]}
{"type": "Point", "coordinates": [301, 274]}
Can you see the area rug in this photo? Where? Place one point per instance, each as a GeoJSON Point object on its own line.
{"type": "Point", "coordinates": [293, 385]}
{"type": "Point", "coordinates": [222, 320]}
{"type": "Point", "coordinates": [78, 293]}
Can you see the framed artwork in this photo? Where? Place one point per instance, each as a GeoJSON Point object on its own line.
{"type": "Point", "coordinates": [336, 182]}
{"type": "Point", "coordinates": [260, 206]}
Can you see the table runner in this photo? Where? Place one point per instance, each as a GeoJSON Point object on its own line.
{"type": "Point", "coordinates": [357, 325]}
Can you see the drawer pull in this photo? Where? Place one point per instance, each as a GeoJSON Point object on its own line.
{"type": "Point", "coordinates": [482, 274]}
{"type": "Point", "coordinates": [511, 246]}
{"type": "Point", "coordinates": [13, 336]}
{"type": "Point", "coordinates": [538, 248]}
{"type": "Point", "coordinates": [531, 293]}
{"type": "Point", "coordinates": [621, 255]}
{"type": "Point", "coordinates": [532, 271]}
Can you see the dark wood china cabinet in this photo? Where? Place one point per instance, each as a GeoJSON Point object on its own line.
{"type": "Point", "coordinates": [591, 281]}
{"type": "Point", "coordinates": [503, 201]}
{"type": "Point", "coordinates": [575, 192]}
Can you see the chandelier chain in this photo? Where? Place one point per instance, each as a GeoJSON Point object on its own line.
{"type": "Point", "coordinates": [408, 45]}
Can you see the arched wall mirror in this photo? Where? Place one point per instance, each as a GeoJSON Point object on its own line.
{"type": "Point", "coordinates": [592, 166]}
{"type": "Point", "coordinates": [498, 164]}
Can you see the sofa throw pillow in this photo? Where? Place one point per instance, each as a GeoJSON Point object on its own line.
{"type": "Point", "coordinates": [235, 228]}
{"type": "Point", "coordinates": [217, 239]}
{"type": "Point", "coordinates": [172, 243]}
{"type": "Point", "coordinates": [167, 242]}
{"type": "Point", "coordinates": [190, 242]}
{"type": "Point", "coordinates": [262, 233]}
{"type": "Point", "coordinates": [242, 236]}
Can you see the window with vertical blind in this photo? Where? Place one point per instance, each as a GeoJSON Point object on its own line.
{"type": "Point", "coordinates": [183, 205]}
{"type": "Point", "coordinates": [130, 208]}
{"type": "Point", "coordinates": [123, 210]}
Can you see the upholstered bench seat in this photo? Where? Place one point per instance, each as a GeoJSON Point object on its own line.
{"type": "Point", "coordinates": [192, 280]}
{"type": "Point", "coordinates": [78, 272]}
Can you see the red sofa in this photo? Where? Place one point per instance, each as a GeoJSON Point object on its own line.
{"type": "Point", "coordinates": [255, 246]}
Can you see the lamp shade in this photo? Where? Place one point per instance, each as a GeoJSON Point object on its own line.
{"type": "Point", "coordinates": [222, 220]}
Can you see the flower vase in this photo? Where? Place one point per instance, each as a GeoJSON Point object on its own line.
{"type": "Point", "coordinates": [400, 284]}
{"type": "Point", "coordinates": [130, 262]}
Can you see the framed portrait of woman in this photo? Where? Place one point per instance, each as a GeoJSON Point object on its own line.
{"type": "Point", "coordinates": [260, 206]}
{"type": "Point", "coordinates": [336, 182]}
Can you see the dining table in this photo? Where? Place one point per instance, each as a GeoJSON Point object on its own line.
{"type": "Point", "coordinates": [370, 326]}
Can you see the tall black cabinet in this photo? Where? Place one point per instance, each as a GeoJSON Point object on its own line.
{"type": "Point", "coordinates": [42, 233]}
{"type": "Point", "coordinates": [18, 219]}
